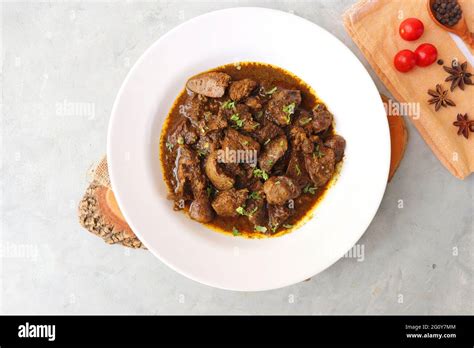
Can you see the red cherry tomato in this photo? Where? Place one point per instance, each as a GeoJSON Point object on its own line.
{"type": "Point", "coordinates": [404, 60]}
{"type": "Point", "coordinates": [426, 54]}
{"type": "Point", "coordinates": [411, 29]}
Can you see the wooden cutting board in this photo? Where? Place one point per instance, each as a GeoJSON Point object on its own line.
{"type": "Point", "coordinates": [99, 212]}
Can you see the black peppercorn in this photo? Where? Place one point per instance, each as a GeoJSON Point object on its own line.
{"type": "Point", "coordinates": [447, 12]}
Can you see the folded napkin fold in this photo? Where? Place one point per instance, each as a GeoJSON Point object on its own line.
{"type": "Point", "coordinates": [373, 25]}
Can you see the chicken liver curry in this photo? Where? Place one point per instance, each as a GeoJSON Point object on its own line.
{"type": "Point", "coordinates": [249, 149]}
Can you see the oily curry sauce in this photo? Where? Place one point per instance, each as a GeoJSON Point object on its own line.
{"type": "Point", "coordinates": [266, 75]}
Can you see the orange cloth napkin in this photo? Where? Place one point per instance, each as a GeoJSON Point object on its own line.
{"type": "Point", "coordinates": [373, 25]}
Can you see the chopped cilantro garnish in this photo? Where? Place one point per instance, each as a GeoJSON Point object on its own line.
{"type": "Point", "coordinates": [298, 170]}
{"type": "Point", "coordinates": [289, 110]}
{"type": "Point", "coordinates": [169, 146]}
{"type": "Point", "coordinates": [270, 92]}
{"type": "Point", "coordinates": [305, 121]}
{"type": "Point", "coordinates": [242, 211]}
{"type": "Point", "coordinates": [309, 189]}
{"type": "Point", "coordinates": [237, 120]}
{"type": "Point", "coordinates": [259, 173]}
{"type": "Point", "coordinates": [254, 195]}
{"type": "Point", "coordinates": [210, 190]}
{"type": "Point", "coordinates": [317, 152]}
{"type": "Point", "coordinates": [261, 229]}
{"type": "Point", "coordinates": [228, 104]}
{"type": "Point", "coordinates": [235, 231]}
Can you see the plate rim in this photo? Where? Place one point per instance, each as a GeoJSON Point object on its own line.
{"type": "Point", "coordinates": [119, 94]}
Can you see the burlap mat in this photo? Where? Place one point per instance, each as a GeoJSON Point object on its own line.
{"type": "Point", "coordinates": [99, 212]}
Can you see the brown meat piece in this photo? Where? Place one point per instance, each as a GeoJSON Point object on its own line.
{"type": "Point", "coordinates": [272, 152]}
{"type": "Point", "coordinates": [282, 105]}
{"type": "Point", "coordinates": [300, 140]}
{"type": "Point", "coordinates": [303, 118]}
{"type": "Point", "coordinates": [187, 162]}
{"type": "Point", "coordinates": [209, 142]}
{"type": "Point", "coordinates": [267, 132]}
{"type": "Point", "coordinates": [239, 117]}
{"type": "Point", "coordinates": [279, 189]}
{"type": "Point", "coordinates": [337, 144]}
{"type": "Point", "coordinates": [201, 210]}
{"type": "Point", "coordinates": [194, 107]}
{"type": "Point", "coordinates": [189, 171]}
{"type": "Point", "coordinates": [277, 215]}
{"type": "Point", "coordinates": [320, 164]}
{"type": "Point", "coordinates": [235, 141]}
{"type": "Point", "coordinates": [254, 103]}
{"type": "Point", "coordinates": [214, 122]}
{"type": "Point", "coordinates": [296, 169]}
{"type": "Point", "coordinates": [241, 89]}
{"type": "Point", "coordinates": [219, 179]}
{"type": "Point", "coordinates": [257, 205]}
{"type": "Point", "coordinates": [244, 176]}
{"type": "Point", "coordinates": [183, 133]}
{"type": "Point", "coordinates": [227, 202]}
{"type": "Point", "coordinates": [211, 84]}
{"type": "Point", "coordinates": [322, 119]}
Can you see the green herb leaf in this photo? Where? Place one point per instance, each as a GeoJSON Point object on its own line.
{"type": "Point", "coordinates": [253, 211]}
{"type": "Point", "coordinates": [259, 173]}
{"type": "Point", "coordinates": [298, 170]}
{"type": "Point", "coordinates": [289, 110]}
{"type": "Point", "coordinates": [309, 189]}
{"type": "Point", "coordinates": [261, 229]}
{"type": "Point", "coordinates": [237, 120]}
{"type": "Point", "coordinates": [229, 104]}
{"type": "Point", "coordinates": [254, 195]}
{"type": "Point", "coordinates": [235, 231]}
{"type": "Point", "coordinates": [241, 211]}
{"type": "Point", "coordinates": [305, 121]}
{"type": "Point", "coordinates": [270, 92]}
{"type": "Point", "coordinates": [169, 146]}
{"type": "Point", "coordinates": [317, 152]}
{"type": "Point", "coordinates": [210, 190]}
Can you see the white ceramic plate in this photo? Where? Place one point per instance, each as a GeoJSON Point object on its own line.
{"type": "Point", "coordinates": [262, 35]}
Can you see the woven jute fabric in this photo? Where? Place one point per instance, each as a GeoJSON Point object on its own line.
{"type": "Point", "coordinates": [96, 215]}
{"type": "Point", "coordinates": [101, 173]}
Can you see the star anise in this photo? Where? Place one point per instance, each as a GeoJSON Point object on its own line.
{"type": "Point", "coordinates": [440, 98]}
{"type": "Point", "coordinates": [458, 75]}
{"type": "Point", "coordinates": [464, 125]}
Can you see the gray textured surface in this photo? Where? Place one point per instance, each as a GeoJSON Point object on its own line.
{"type": "Point", "coordinates": [418, 259]}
